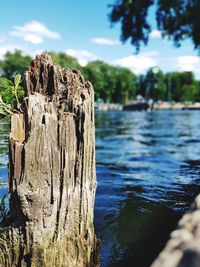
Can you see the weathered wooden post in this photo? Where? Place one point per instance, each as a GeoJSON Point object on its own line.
{"type": "Point", "coordinates": [52, 179]}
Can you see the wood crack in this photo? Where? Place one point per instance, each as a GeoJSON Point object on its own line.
{"type": "Point", "coordinates": [51, 164]}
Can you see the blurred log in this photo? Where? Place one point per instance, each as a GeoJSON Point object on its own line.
{"type": "Point", "coordinates": [183, 247]}
{"type": "Point", "coordinates": [52, 178]}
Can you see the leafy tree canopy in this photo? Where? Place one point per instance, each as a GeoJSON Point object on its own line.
{"type": "Point", "coordinates": [14, 62]}
{"type": "Point", "coordinates": [64, 60]}
{"type": "Point", "coordinates": [176, 19]}
{"type": "Point", "coordinates": [111, 84]}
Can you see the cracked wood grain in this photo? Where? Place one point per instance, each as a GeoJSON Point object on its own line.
{"type": "Point", "coordinates": [52, 177]}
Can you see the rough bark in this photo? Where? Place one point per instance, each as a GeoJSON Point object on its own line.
{"type": "Point", "coordinates": [183, 247]}
{"type": "Point", "coordinates": [52, 179]}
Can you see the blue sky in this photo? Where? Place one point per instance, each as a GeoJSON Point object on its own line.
{"type": "Point", "coordinates": [82, 29]}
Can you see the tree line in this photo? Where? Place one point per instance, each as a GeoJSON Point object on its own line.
{"type": "Point", "coordinates": [111, 83]}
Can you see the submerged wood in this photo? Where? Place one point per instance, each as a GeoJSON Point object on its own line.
{"type": "Point", "coordinates": [52, 178]}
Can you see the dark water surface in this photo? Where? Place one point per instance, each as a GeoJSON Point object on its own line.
{"type": "Point", "coordinates": [148, 171]}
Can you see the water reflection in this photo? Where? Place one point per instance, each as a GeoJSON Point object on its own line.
{"type": "Point", "coordinates": [148, 173]}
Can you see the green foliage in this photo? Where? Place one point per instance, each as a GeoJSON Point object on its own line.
{"type": "Point", "coordinates": [6, 90]}
{"type": "Point", "coordinates": [133, 17]}
{"type": "Point", "coordinates": [93, 72]}
{"type": "Point", "coordinates": [111, 84]}
{"type": "Point", "coordinates": [189, 92]}
{"type": "Point", "coordinates": [154, 84]}
{"type": "Point", "coordinates": [177, 19]}
{"type": "Point", "coordinates": [176, 86]}
{"type": "Point", "coordinates": [13, 63]}
{"type": "Point", "coordinates": [5, 109]}
{"type": "Point", "coordinates": [161, 90]}
{"type": "Point", "coordinates": [64, 60]}
{"type": "Point", "coordinates": [11, 94]}
{"type": "Point", "coordinates": [102, 78]}
{"type": "Point", "coordinates": [15, 91]}
{"type": "Point", "coordinates": [183, 86]}
{"type": "Point", "coordinates": [125, 89]}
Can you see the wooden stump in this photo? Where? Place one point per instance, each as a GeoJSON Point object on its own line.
{"type": "Point", "coordinates": [52, 178]}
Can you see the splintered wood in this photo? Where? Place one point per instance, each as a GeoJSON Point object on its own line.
{"type": "Point", "coordinates": [52, 178]}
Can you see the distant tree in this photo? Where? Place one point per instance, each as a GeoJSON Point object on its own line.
{"type": "Point", "coordinates": [141, 85]}
{"type": "Point", "coordinates": [176, 19]}
{"type": "Point", "coordinates": [176, 86]}
{"type": "Point", "coordinates": [187, 77]}
{"type": "Point", "coordinates": [125, 89]}
{"type": "Point", "coordinates": [152, 85]}
{"type": "Point", "coordinates": [111, 84]}
{"type": "Point", "coordinates": [155, 83]}
{"type": "Point", "coordinates": [93, 72]}
{"type": "Point", "coordinates": [188, 93]}
{"type": "Point", "coordinates": [183, 86]}
{"type": "Point", "coordinates": [103, 79]}
{"type": "Point", "coordinates": [197, 91]}
{"type": "Point", "coordinates": [64, 60]}
{"type": "Point", "coordinates": [190, 87]}
{"type": "Point", "coordinates": [14, 62]}
{"type": "Point", "coordinates": [161, 90]}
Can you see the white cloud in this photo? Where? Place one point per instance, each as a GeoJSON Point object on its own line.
{"type": "Point", "coordinates": [138, 63]}
{"type": "Point", "coordinates": [10, 48]}
{"type": "Point", "coordinates": [34, 32]}
{"type": "Point", "coordinates": [83, 56]}
{"type": "Point", "coordinates": [188, 63]}
{"type": "Point", "coordinates": [3, 51]}
{"type": "Point", "coordinates": [33, 38]}
{"type": "Point", "coordinates": [152, 53]}
{"type": "Point", "coordinates": [155, 34]}
{"type": "Point", "coordinates": [104, 41]}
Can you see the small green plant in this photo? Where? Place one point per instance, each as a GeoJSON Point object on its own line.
{"type": "Point", "coordinates": [8, 108]}
{"type": "Point", "coordinates": [17, 80]}
{"type": "Point", "coordinates": [3, 209]}
{"type": "Point", "coordinates": [5, 109]}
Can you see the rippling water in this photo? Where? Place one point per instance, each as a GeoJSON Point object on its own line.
{"type": "Point", "coordinates": [148, 171]}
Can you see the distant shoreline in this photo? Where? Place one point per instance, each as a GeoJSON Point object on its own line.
{"type": "Point", "coordinates": [157, 106]}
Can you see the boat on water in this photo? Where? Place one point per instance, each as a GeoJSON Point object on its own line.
{"type": "Point", "coordinates": [136, 106]}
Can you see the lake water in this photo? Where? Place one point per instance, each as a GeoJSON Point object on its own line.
{"type": "Point", "coordinates": [148, 171]}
